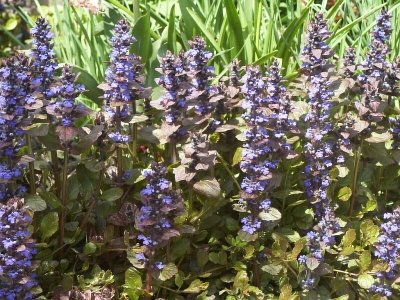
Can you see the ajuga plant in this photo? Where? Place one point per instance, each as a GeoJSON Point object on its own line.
{"type": "Point", "coordinates": [17, 249]}
{"type": "Point", "coordinates": [321, 151]}
{"type": "Point", "coordinates": [173, 102]}
{"type": "Point", "coordinates": [388, 252]}
{"type": "Point", "coordinates": [42, 54]}
{"type": "Point", "coordinates": [202, 96]}
{"type": "Point", "coordinates": [64, 111]}
{"type": "Point", "coordinates": [267, 107]}
{"type": "Point", "coordinates": [155, 219]}
{"type": "Point", "coordinates": [16, 246]}
{"type": "Point", "coordinates": [123, 86]}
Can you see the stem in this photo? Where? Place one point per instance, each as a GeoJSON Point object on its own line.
{"type": "Point", "coordinates": [32, 187]}
{"type": "Point", "coordinates": [149, 278]}
{"type": "Point", "coordinates": [63, 202]}
{"type": "Point", "coordinates": [173, 152]}
{"type": "Point", "coordinates": [56, 172]}
{"type": "Point", "coordinates": [119, 152]}
{"type": "Point", "coordinates": [256, 278]}
{"type": "Point", "coordinates": [225, 165]}
{"type": "Point", "coordinates": [134, 131]}
{"type": "Point", "coordinates": [190, 200]}
{"type": "Point", "coordinates": [354, 187]}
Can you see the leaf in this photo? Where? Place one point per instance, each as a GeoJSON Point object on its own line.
{"type": "Point", "coordinates": [379, 137]}
{"type": "Point", "coordinates": [87, 140]}
{"type": "Point", "coordinates": [202, 258]}
{"type": "Point", "coordinates": [218, 258]}
{"type": "Point", "coordinates": [37, 129]}
{"type": "Point", "coordinates": [241, 281]}
{"type": "Point", "coordinates": [365, 281]}
{"type": "Point", "coordinates": [11, 24]}
{"type": "Point", "coordinates": [290, 234]}
{"type": "Point", "coordinates": [365, 260]}
{"type": "Point", "coordinates": [344, 193]}
{"type": "Point", "coordinates": [231, 224]}
{"type": "Point", "coordinates": [142, 46]}
{"type": "Point", "coordinates": [296, 250]}
{"type": "Point", "coordinates": [89, 248]}
{"type": "Point", "coordinates": [112, 194]}
{"type": "Point", "coordinates": [179, 279]}
{"type": "Point", "coordinates": [271, 215]}
{"type": "Point", "coordinates": [272, 269]}
{"type": "Point", "coordinates": [179, 249]}
{"type": "Point", "coordinates": [49, 224]}
{"type": "Point", "coordinates": [312, 263]}
{"type": "Point", "coordinates": [349, 237]}
{"type": "Point", "coordinates": [208, 187]}
{"type": "Point", "coordinates": [133, 280]}
{"type": "Point", "coordinates": [247, 237]}
{"type": "Point", "coordinates": [286, 292]}
{"type": "Point", "coordinates": [166, 273]}
{"type": "Point", "coordinates": [237, 157]}
{"type": "Point", "coordinates": [35, 202]}
{"type": "Point", "coordinates": [196, 286]}
{"type": "Point", "coordinates": [66, 133]}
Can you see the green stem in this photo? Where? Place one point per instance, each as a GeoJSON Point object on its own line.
{"type": "Point", "coordinates": [64, 203]}
{"type": "Point", "coordinates": [354, 186]}
{"type": "Point", "coordinates": [119, 152]}
{"type": "Point", "coordinates": [134, 134]}
{"type": "Point", "coordinates": [190, 200]}
{"type": "Point", "coordinates": [225, 165]}
{"type": "Point", "coordinates": [149, 278]}
{"type": "Point", "coordinates": [32, 187]}
{"type": "Point", "coordinates": [56, 172]}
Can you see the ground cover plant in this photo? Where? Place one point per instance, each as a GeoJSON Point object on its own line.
{"type": "Point", "coordinates": [200, 150]}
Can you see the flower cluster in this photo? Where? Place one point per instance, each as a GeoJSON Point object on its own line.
{"type": "Point", "coordinates": [16, 251]}
{"type": "Point", "coordinates": [374, 65]}
{"type": "Point", "coordinates": [64, 109]}
{"type": "Point", "coordinates": [123, 83]}
{"type": "Point", "coordinates": [14, 98]}
{"type": "Point", "coordinates": [321, 153]}
{"type": "Point", "coordinates": [173, 101]}
{"type": "Point", "coordinates": [196, 59]}
{"type": "Point", "coordinates": [195, 157]}
{"type": "Point", "coordinates": [388, 250]}
{"type": "Point", "coordinates": [42, 54]}
{"type": "Point", "coordinates": [263, 148]}
{"type": "Point", "coordinates": [155, 218]}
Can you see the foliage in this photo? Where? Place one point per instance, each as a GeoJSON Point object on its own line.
{"type": "Point", "coordinates": [184, 149]}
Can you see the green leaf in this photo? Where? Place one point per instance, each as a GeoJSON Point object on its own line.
{"type": "Point", "coordinates": [344, 193]}
{"type": "Point", "coordinates": [179, 249]}
{"type": "Point", "coordinates": [365, 281]}
{"type": "Point", "coordinates": [349, 237]}
{"type": "Point", "coordinates": [237, 157]}
{"type": "Point", "coordinates": [218, 258]}
{"type": "Point", "coordinates": [133, 284]}
{"type": "Point", "coordinates": [208, 187]}
{"type": "Point", "coordinates": [49, 224]}
{"type": "Point", "coordinates": [365, 260]}
{"type": "Point", "coordinates": [271, 215]}
{"type": "Point", "coordinates": [235, 28]}
{"type": "Point", "coordinates": [112, 194]}
{"type": "Point", "coordinates": [202, 258]}
{"type": "Point", "coordinates": [166, 273]}
{"type": "Point", "coordinates": [231, 224]}
{"type": "Point", "coordinates": [35, 202]}
{"type": "Point", "coordinates": [196, 286]}
{"type": "Point", "coordinates": [290, 234]}
{"type": "Point", "coordinates": [179, 279]}
{"type": "Point", "coordinates": [89, 248]}
{"type": "Point", "coordinates": [272, 269]}
{"type": "Point", "coordinates": [142, 46]}
{"type": "Point", "coordinates": [37, 129]}
{"type": "Point", "coordinates": [11, 24]}
{"type": "Point", "coordinates": [247, 237]}
{"type": "Point", "coordinates": [241, 281]}
{"type": "Point", "coordinates": [71, 226]}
